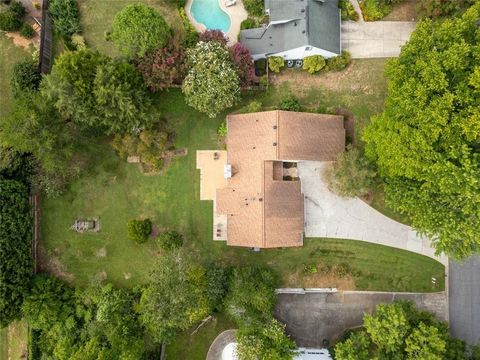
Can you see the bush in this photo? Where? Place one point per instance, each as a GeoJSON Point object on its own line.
{"type": "Point", "coordinates": [254, 8]}
{"type": "Point", "coordinates": [190, 34]}
{"type": "Point", "coordinates": [138, 29]}
{"type": "Point", "coordinates": [222, 130]}
{"type": "Point", "coordinates": [313, 63]}
{"type": "Point", "coordinates": [27, 31]}
{"type": "Point", "coordinates": [352, 175]}
{"type": "Point", "coordinates": [18, 9]}
{"type": "Point", "coordinates": [338, 63]}
{"type": "Point", "coordinates": [441, 8]}
{"type": "Point", "coordinates": [276, 63]}
{"type": "Point", "coordinates": [25, 77]}
{"type": "Point", "coordinates": [253, 106]}
{"type": "Point", "coordinates": [170, 240]}
{"type": "Point", "coordinates": [348, 11]}
{"type": "Point", "coordinates": [9, 21]}
{"type": "Point", "coordinates": [260, 67]}
{"type": "Point", "coordinates": [139, 230]}
{"type": "Point", "coordinates": [65, 16]}
{"type": "Point", "coordinates": [374, 9]}
{"type": "Point", "coordinates": [248, 24]}
{"type": "Point", "coordinates": [243, 60]}
{"type": "Point", "coordinates": [78, 41]}
{"type": "Point", "coordinates": [213, 35]}
{"type": "Point", "coordinates": [290, 103]}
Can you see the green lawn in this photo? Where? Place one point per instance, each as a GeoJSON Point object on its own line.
{"type": "Point", "coordinates": [13, 341]}
{"type": "Point", "coordinates": [9, 55]}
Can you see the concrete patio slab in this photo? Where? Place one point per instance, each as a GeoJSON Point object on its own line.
{"type": "Point", "coordinates": [376, 39]}
{"type": "Point", "coordinates": [211, 172]}
{"type": "Point", "coordinates": [331, 216]}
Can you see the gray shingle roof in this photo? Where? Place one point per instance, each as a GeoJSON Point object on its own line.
{"type": "Point", "coordinates": [296, 23]}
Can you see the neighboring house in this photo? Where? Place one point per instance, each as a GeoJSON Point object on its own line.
{"type": "Point", "coordinates": [258, 201]}
{"type": "Point", "coordinates": [297, 28]}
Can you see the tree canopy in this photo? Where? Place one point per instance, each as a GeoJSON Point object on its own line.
{"type": "Point", "coordinates": [426, 142]}
{"type": "Point", "coordinates": [138, 29]}
{"type": "Point", "coordinates": [212, 83]}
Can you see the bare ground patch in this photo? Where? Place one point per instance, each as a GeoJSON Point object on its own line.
{"type": "Point", "coordinates": [321, 279]}
{"type": "Point", "coordinates": [51, 264]}
{"type": "Point", "coordinates": [405, 11]}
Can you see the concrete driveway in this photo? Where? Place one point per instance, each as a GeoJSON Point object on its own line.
{"type": "Point", "coordinates": [464, 299]}
{"type": "Point", "coordinates": [329, 215]}
{"type": "Point", "coordinates": [376, 39]}
{"type": "Point", "coordinates": [310, 318]}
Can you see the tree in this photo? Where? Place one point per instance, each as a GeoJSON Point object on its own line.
{"type": "Point", "coordinates": [214, 35]}
{"type": "Point", "coordinates": [65, 16]}
{"type": "Point", "coordinates": [163, 67]}
{"type": "Point", "coordinates": [441, 8]}
{"type": "Point", "coordinates": [243, 60]}
{"type": "Point", "coordinates": [175, 297]}
{"type": "Point", "coordinates": [121, 98]}
{"type": "Point", "coordinates": [139, 230]}
{"type": "Point", "coordinates": [217, 284]}
{"type": "Point", "coordinates": [425, 343]}
{"type": "Point", "coordinates": [170, 240]}
{"type": "Point", "coordinates": [212, 84]}
{"type": "Point", "coordinates": [138, 29]}
{"type": "Point", "coordinates": [251, 297]}
{"type": "Point", "coordinates": [352, 175]}
{"type": "Point", "coordinates": [265, 342]}
{"type": "Point", "coordinates": [313, 63]}
{"type": "Point", "coordinates": [355, 347]}
{"type": "Point", "coordinates": [25, 77]}
{"type": "Point", "coordinates": [425, 143]}
{"type": "Point", "coordinates": [15, 244]}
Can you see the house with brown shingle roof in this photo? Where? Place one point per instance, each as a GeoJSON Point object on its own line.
{"type": "Point", "coordinates": [259, 202]}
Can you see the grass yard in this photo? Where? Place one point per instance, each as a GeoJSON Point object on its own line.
{"type": "Point", "coordinates": [9, 55]}
{"type": "Point", "coordinates": [116, 191]}
{"type": "Point", "coordinates": [97, 17]}
{"type": "Point", "coordinates": [13, 341]}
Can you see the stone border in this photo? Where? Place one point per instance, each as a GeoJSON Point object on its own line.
{"type": "Point", "coordinates": [236, 13]}
{"type": "Point", "coordinates": [217, 346]}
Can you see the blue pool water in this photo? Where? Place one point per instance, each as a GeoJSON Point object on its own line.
{"type": "Point", "coordinates": [209, 13]}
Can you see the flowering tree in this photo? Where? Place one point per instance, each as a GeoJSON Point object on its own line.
{"type": "Point", "coordinates": [212, 83]}
{"type": "Point", "coordinates": [241, 57]}
{"type": "Point", "coordinates": [163, 67]}
{"type": "Point", "coordinates": [214, 35]}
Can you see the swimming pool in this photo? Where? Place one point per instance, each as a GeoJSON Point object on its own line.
{"type": "Point", "coordinates": [210, 14]}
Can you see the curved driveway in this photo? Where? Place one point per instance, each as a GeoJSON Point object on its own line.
{"type": "Point", "coordinates": [329, 215]}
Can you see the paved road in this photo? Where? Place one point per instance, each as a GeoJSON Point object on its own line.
{"type": "Point", "coordinates": [464, 299]}
{"type": "Point", "coordinates": [376, 39]}
{"type": "Point", "coordinates": [310, 318]}
{"type": "Point", "coordinates": [329, 215]}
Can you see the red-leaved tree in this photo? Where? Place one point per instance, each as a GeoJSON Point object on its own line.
{"type": "Point", "coordinates": [242, 59]}
{"type": "Point", "coordinates": [214, 35]}
{"type": "Point", "coordinates": [163, 67]}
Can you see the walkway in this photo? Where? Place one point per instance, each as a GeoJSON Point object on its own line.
{"type": "Point", "coordinates": [464, 299]}
{"type": "Point", "coordinates": [329, 215]}
{"type": "Point", "coordinates": [222, 340]}
{"type": "Point", "coordinates": [376, 39]}
{"type": "Point", "coordinates": [310, 318]}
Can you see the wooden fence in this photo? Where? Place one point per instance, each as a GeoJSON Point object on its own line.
{"type": "Point", "coordinates": [46, 41]}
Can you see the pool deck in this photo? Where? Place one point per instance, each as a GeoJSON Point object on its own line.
{"type": "Point", "coordinates": [236, 12]}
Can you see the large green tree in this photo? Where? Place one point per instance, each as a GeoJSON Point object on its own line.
{"type": "Point", "coordinates": [16, 263]}
{"type": "Point", "coordinates": [175, 298]}
{"type": "Point", "coordinates": [212, 83]}
{"type": "Point", "coordinates": [138, 29]}
{"type": "Point", "coordinates": [426, 143]}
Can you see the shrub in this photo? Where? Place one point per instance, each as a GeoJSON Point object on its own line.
{"type": "Point", "coordinates": [222, 130]}
{"type": "Point", "coordinates": [253, 106]}
{"type": "Point", "coordinates": [163, 67]}
{"type": "Point", "coordinates": [65, 16]}
{"type": "Point", "coordinates": [374, 9]}
{"type": "Point", "coordinates": [260, 67]}
{"type": "Point", "coordinates": [138, 29]}
{"type": "Point", "coordinates": [313, 63]}
{"type": "Point", "coordinates": [310, 269]}
{"type": "Point", "coordinates": [9, 21]}
{"type": "Point", "coordinates": [139, 230]}
{"type": "Point", "coordinates": [78, 41]}
{"type": "Point", "coordinates": [27, 31]}
{"type": "Point", "coordinates": [25, 77]}
{"type": "Point", "coordinates": [170, 240]}
{"type": "Point", "coordinates": [338, 63]}
{"type": "Point", "coordinates": [248, 24]}
{"type": "Point", "coordinates": [241, 57]}
{"type": "Point", "coordinates": [352, 175]}
{"type": "Point", "coordinates": [213, 35]}
{"type": "Point", "coordinates": [254, 8]}
{"type": "Point", "coordinates": [348, 11]}
{"type": "Point", "coordinates": [18, 9]}
{"type": "Point", "coordinates": [441, 8]}
{"type": "Point", "coordinates": [290, 103]}
{"type": "Point", "coordinates": [276, 63]}
{"type": "Point", "coordinates": [190, 34]}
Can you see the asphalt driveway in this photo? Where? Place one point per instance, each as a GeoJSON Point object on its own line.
{"type": "Point", "coordinates": [464, 299]}
{"type": "Point", "coordinates": [329, 215]}
{"type": "Point", "coordinates": [312, 317]}
{"type": "Point", "coordinates": [376, 39]}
